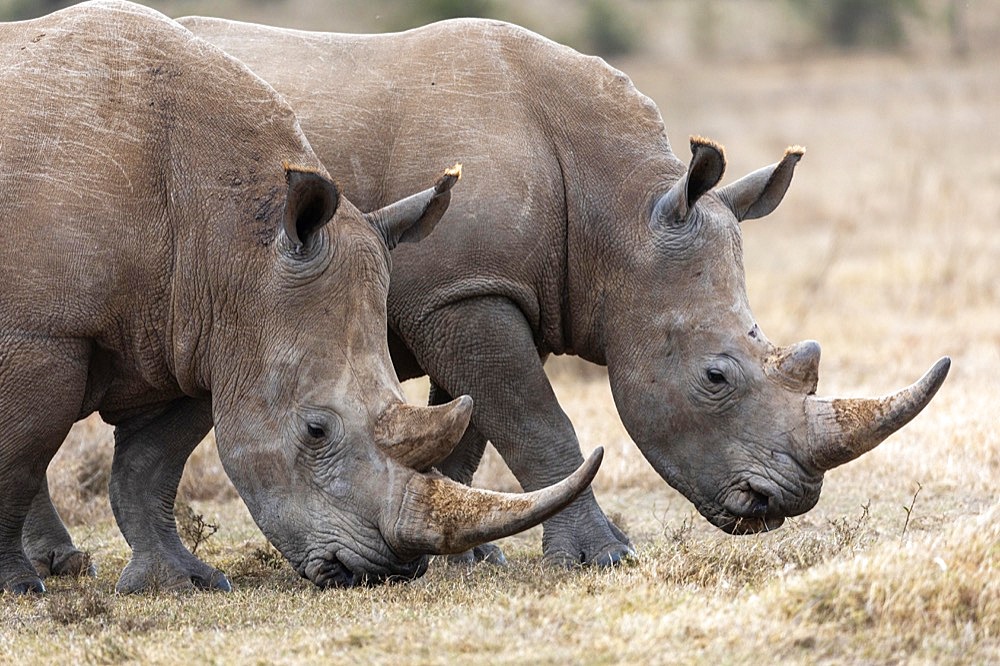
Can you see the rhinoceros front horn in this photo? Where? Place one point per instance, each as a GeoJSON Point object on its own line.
{"type": "Point", "coordinates": [840, 430]}
{"type": "Point", "coordinates": [431, 514]}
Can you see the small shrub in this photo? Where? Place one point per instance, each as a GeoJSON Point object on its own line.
{"type": "Point", "coordinates": [680, 534]}
{"type": "Point", "coordinates": [256, 566]}
{"type": "Point", "coordinates": [194, 530]}
{"type": "Point", "coordinates": [847, 534]}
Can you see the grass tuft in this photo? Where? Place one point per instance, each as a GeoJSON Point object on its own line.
{"type": "Point", "coordinates": [86, 606]}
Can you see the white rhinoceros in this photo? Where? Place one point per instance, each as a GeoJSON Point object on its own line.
{"type": "Point", "coordinates": [175, 254]}
{"type": "Point", "coordinates": [579, 232]}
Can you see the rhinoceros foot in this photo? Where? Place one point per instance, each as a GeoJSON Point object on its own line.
{"type": "Point", "coordinates": [608, 556]}
{"type": "Point", "coordinates": [487, 552]}
{"type": "Point", "coordinates": [23, 583]}
{"type": "Point", "coordinates": [64, 561]}
{"type": "Point", "coordinates": [588, 538]}
{"type": "Point", "coordinates": [159, 575]}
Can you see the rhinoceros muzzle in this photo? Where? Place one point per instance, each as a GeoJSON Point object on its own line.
{"type": "Point", "coordinates": [327, 570]}
{"type": "Point", "coordinates": [330, 572]}
{"type": "Point", "coordinates": [740, 526]}
{"type": "Point", "coordinates": [425, 513]}
{"type": "Point", "coordinates": [760, 505]}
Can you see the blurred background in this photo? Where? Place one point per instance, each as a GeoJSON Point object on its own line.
{"type": "Point", "coordinates": [714, 29]}
{"type": "Point", "coordinates": [885, 248]}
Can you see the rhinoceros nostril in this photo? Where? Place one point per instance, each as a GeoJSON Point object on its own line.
{"type": "Point", "coordinates": [758, 504]}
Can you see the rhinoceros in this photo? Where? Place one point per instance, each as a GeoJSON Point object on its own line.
{"type": "Point", "coordinates": [175, 255]}
{"type": "Point", "coordinates": [580, 233]}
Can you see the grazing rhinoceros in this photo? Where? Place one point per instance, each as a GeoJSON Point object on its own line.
{"type": "Point", "coordinates": [581, 233]}
{"type": "Point", "coordinates": [174, 253]}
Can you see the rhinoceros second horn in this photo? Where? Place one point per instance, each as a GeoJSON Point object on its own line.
{"type": "Point", "coordinates": [421, 437]}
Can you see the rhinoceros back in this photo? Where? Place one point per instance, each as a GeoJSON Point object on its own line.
{"type": "Point", "coordinates": [117, 142]}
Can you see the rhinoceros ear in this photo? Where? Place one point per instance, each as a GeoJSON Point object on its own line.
{"type": "Point", "coordinates": [757, 194]}
{"type": "Point", "coordinates": [311, 201]}
{"type": "Point", "coordinates": [410, 219]}
{"type": "Point", "coordinates": [708, 163]}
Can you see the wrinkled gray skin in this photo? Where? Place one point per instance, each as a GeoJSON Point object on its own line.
{"type": "Point", "coordinates": [174, 253]}
{"type": "Point", "coordinates": [579, 233]}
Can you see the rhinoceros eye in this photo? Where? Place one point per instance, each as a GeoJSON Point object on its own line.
{"type": "Point", "coordinates": [715, 376]}
{"type": "Point", "coordinates": [319, 429]}
{"type": "Point", "coordinates": [316, 431]}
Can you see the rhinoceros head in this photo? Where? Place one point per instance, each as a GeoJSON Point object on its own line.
{"type": "Point", "coordinates": [332, 464]}
{"type": "Point", "coordinates": [724, 416]}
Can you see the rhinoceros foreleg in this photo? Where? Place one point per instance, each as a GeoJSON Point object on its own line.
{"type": "Point", "coordinates": [461, 466]}
{"type": "Point", "coordinates": [485, 348]}
{"type": "Point", "coordinates": [150, 452]}
{"type": "Point", "coordinates": [47, 543]}
{"type": "Point", "coordinates": [42, 384]}
{"type": "Point", "coordinates": [463, 461]}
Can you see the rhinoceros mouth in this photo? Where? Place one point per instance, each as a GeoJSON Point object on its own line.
{"type": "Point", "coordinates": [739, 525]}
{"type": "Point", "coordinates": [330, 571]}
{"type": "Point", "coordinates": [749, 508]}
{"type": "Point", "coordinates": [740, 522]}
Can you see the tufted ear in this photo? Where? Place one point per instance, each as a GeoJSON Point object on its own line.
{"type": "Point", "coordinates": [310, 203]}
{"type": "Point", "coordinates": [410, 219]}
{"type": "Point", "coordinates": [757, 194]}
{"type": "Point", "coordinates": [708, 163]}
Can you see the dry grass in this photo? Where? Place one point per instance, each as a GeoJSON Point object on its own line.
{"type": "Point", "coordinates": [790, 597]}
{"type": "Point", "coordinates": [885, 250]}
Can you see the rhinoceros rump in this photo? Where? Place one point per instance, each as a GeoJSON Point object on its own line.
{"type": "Point", "coordinates": [580, 232]}
{"type": "Point", "coordinates": [174, 254]}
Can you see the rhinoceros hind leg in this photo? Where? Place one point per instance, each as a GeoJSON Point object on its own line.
{"type": "Point", "coordinates": [42, 384]}
{"type": "Point", "coordinates": [150, 452]}
{"type": "Point", "coordinates": [485, 348]}
{"type": "Point", "coordinates": [48, 544]}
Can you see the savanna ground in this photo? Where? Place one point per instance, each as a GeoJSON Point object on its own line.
{"type": "Point", "coordinates": [885, 250]}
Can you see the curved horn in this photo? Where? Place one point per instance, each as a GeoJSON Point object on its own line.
{"type": "Point", "coordinates": [438, 516]}
{"type": "Point", "coordinates": [421, 437]}
{"type": "Point", "coordinates": [840, 430]}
